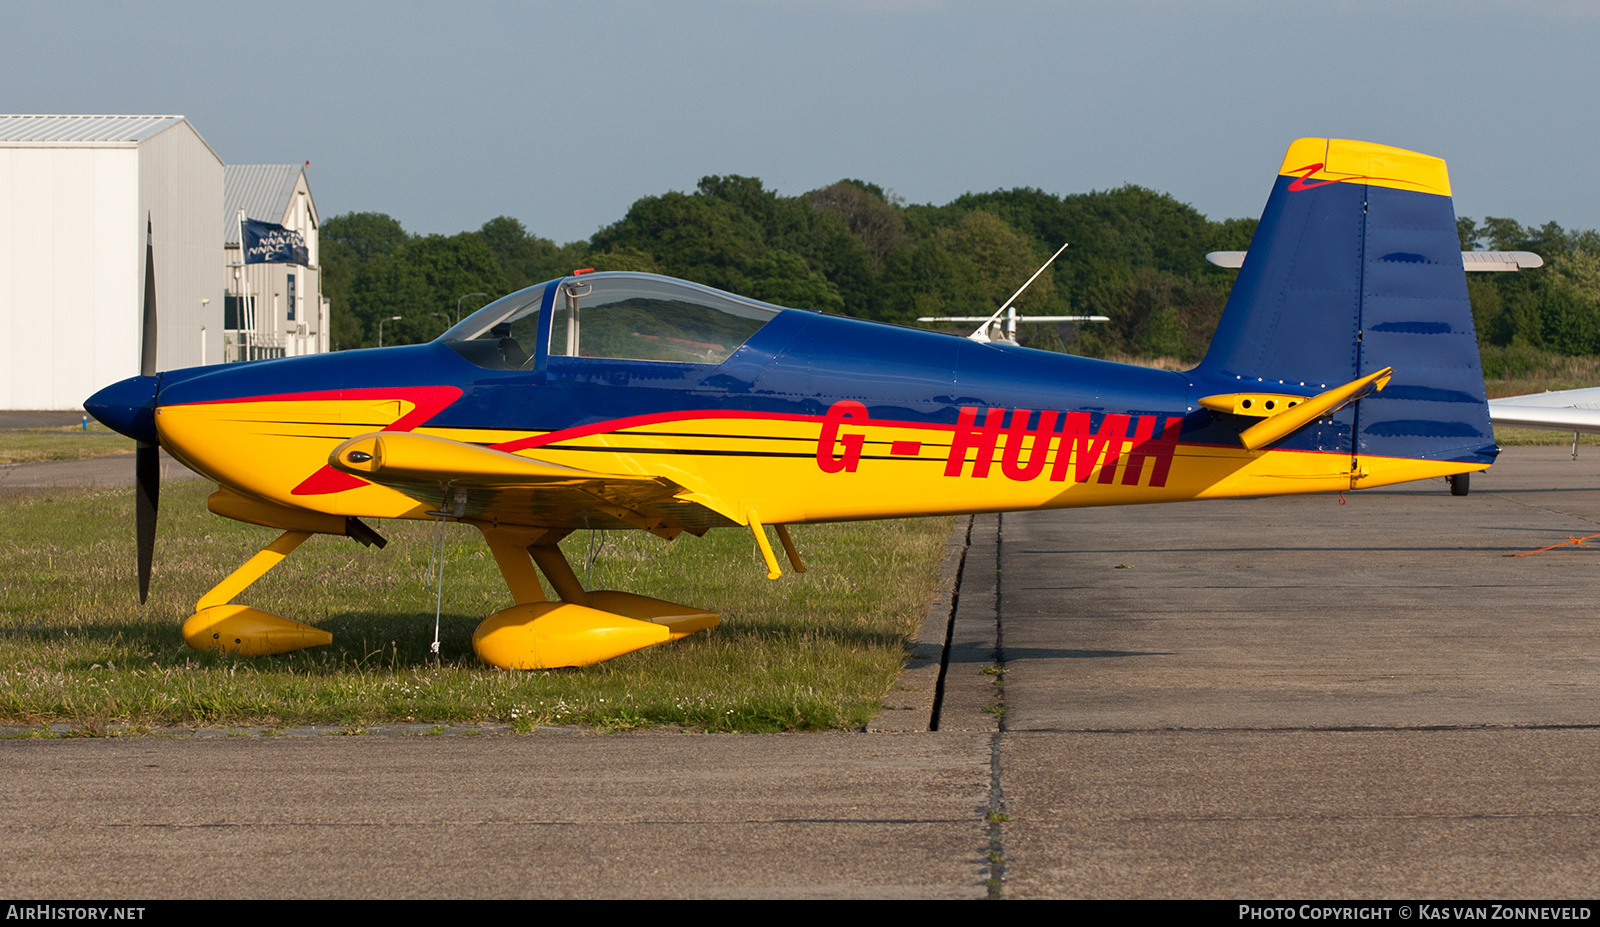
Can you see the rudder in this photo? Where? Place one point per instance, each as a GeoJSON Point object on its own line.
{"type": "Point", "coordinates": [1355, 267]}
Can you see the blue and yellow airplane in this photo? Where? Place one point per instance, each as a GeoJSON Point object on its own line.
{"type": "Point", "coordinates": [1345, 358]}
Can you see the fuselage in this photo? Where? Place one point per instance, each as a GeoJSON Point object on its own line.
{"type": "Point", "coordinates": [813, 418]}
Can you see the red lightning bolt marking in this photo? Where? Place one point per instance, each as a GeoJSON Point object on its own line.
{"type": "Point", "coordinates": [1305, 183]}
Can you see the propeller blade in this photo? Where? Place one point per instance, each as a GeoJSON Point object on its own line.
{"type": "Point", "coordinates": [147, 351]}
{"type": "Point", "coordinates": [147, 459]}
{"type": "Point", "coordinates": [146, 503]}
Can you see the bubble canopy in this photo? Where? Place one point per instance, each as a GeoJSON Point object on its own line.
{"type": "Point", "coordinates": [623, 316]}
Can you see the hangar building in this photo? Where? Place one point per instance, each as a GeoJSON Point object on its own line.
{"type": "Point", "coordinates": [74, 195]}
{"type": "Point", "coordinates": [271, 310]}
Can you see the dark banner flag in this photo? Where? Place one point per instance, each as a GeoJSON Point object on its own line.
{"type": "Point", "coordinates": [265, 243]}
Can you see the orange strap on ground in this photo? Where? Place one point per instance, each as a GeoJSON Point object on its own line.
{"type": "Point", "coordinates": [1576, 542]}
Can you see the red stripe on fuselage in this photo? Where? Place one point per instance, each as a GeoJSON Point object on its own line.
{"type": "Point", "coordinates": [657, 418]}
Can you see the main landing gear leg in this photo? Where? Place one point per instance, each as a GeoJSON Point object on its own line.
{"type": "Point", "coordinates": [580, 628]}
{"type": "Point", "coordinates": [246, 631]}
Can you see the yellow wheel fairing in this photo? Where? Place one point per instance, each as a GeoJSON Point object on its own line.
{"type": "Point", "coordinates": [679, 620]}
{"type": "Point", "coordinates": [249, 632]}
{"type": "Point", "coordinates": [545, 635]}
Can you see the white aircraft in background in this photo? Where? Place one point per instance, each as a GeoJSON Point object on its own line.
{"type": "Point", "coordinates": [1574, 410]}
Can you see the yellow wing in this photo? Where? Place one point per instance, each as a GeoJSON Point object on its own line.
{"type": "Point", "coordinates": [477, 483]}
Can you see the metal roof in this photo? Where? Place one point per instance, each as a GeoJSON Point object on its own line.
{"type": "Point", "coordinates": [262, 189]}
{"type": "Point", "coordinates": [85, 131]}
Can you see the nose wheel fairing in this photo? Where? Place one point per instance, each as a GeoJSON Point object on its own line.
{"type": "Point", "coordinates": [249, 632]}
{"type": "Point", "coordinates": [245, 631]}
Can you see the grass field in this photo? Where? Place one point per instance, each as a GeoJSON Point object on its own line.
{"type": "Point", "coordinates": [1513, 371]}
{"type": "Point", "coordinates": [809, 651]}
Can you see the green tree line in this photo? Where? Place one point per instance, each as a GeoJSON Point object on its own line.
{"type": "Point", "coordinates": [853, 248]}
{"type": "Point", "coordinates": [1555, 308]}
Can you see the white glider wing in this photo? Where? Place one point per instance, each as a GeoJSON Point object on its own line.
{"type": "Point", "coordinates": [1562, 410]}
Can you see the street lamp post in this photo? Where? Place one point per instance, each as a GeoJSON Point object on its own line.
{"type": "Point", "coordinates": [460, 298]}
{"type": "Point", "coordinates": [392, 318]}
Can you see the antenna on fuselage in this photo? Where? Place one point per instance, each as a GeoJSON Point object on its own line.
{"type": "Point", "coordinates": [982, 334]}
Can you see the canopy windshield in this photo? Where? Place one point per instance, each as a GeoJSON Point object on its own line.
{"type": "Point", "coordinates": [516, 308]}
{"type": "Point", "coordinates": [501, 335]}
{"type": "Point", "coordinates": [645, 317]}
{"type": "Point", "coordinates": [624, 316]}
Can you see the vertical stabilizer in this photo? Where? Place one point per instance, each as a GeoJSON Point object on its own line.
{"type": "Point", "coordinates": [1356, 266]}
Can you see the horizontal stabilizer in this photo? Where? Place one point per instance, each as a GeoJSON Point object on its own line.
{"type": "Point", "coordinates": [1500, 260]}
{"type": "Point", "coordinates": [1292, 420]}
{"type": "Point", "coordinates": [1479, 261]}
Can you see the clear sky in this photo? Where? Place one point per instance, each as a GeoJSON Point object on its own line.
{"type": "Point", "coordinates": [561, 114]}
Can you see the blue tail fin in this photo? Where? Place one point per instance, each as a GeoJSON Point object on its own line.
{"type": "Point", "coordinates": [1356, 266]}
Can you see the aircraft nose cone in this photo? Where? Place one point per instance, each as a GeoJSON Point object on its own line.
{"type": "Point", "coordinates": [128, 407]}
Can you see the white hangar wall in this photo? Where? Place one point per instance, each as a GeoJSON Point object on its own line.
{"type": "Point", "coordinates": [74, 194]}
{"type": "Point", "coordinates": [63, 211]}
{"type": "Point", "coordinates": [180, 186]}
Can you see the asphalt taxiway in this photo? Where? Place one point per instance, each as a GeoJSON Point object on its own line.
{"type": "Point", "coordinates": [110, 470]}
{"type": "Point", "coordinates": [1256, 698]}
